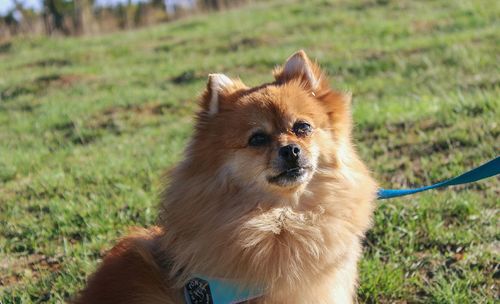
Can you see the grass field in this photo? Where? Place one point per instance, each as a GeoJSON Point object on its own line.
{"type": "Point", "coordinates": [88, 125]}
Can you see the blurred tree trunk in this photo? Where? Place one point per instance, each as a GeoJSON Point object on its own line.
{"type": "Point", "coordinates": [54, 17]}
{"type": "Point", "coordinates": [221, 4]}
{"type": "Point", "coordinates": [130, 15]}
{"type": "Point", "coordinates": [126, 15]}
{"type": "Point", "coordinates": [159, 4]}
{"type": "Point", "coordinates": [85, 22]}
{"type": "Point", "coordinates": [213, 4]}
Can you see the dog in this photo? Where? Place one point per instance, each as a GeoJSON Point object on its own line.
{"type": "Point", "coordinates": [270, 193]}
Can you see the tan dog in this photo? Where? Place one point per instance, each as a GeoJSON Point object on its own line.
{"type": "Point", "coordinates": [270, 193]}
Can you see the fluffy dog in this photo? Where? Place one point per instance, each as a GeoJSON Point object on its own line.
{"type": "Point", "coordinates": [270, 193]}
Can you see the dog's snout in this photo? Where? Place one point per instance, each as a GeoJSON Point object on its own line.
{"type": "Point", "coordinates": [290, 153]}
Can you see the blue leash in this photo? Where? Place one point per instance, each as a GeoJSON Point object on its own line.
{"type": "Point", "coordinates": [486, 170]}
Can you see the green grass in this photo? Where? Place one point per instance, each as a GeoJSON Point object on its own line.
{"type": "Point", "coordinates": [87, 126]}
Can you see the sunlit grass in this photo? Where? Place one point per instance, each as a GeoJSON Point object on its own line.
{"type": "Point", "coordinates": [88, 125]}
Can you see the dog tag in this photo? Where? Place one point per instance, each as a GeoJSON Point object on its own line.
{"type": "Point", "coordinates": [197, 291]}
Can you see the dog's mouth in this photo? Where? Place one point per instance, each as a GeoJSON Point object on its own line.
{"type": "Point", "coordinates": [290, 177]}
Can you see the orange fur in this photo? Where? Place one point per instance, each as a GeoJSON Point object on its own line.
{"type": "Point", "coordinates": [221, 217]}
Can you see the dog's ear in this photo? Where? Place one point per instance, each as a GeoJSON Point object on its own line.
{"type": "Point", "coordinates": [218, 87]}
{"type": "Point", "coordinates": [300, 67]}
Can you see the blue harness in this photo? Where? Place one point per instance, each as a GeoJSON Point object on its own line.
{"type": "Point", "coordinates": [204, 290]}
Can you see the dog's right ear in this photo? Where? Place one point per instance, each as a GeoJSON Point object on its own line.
{"type": "Point", "coordinates": [218, 86]}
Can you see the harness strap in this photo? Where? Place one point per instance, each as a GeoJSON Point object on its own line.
{"type": "Point", "coordinates": [204, 290]}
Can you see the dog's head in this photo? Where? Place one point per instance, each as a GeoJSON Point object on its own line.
{"type": "Point", "coordinates": [271, 138]}
{"type": "Point", "coordinates": [263, 166]}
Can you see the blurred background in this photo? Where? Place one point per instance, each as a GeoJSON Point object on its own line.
{"type": "Point", "coordinates": [97, 99]}
{"type": "Point", "coordinates": [80, 17]}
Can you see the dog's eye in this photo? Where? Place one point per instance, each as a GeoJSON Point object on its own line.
{"type": "Point", "coordinates": [302, 128]}
{"type": "Point", "coordinates": [259, 139]}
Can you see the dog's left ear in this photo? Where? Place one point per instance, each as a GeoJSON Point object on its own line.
{"type": "Point", "coordinates": [300, 67]}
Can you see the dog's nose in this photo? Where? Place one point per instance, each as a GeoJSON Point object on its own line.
{"type": "Point", "coordinates": [290, 153]}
